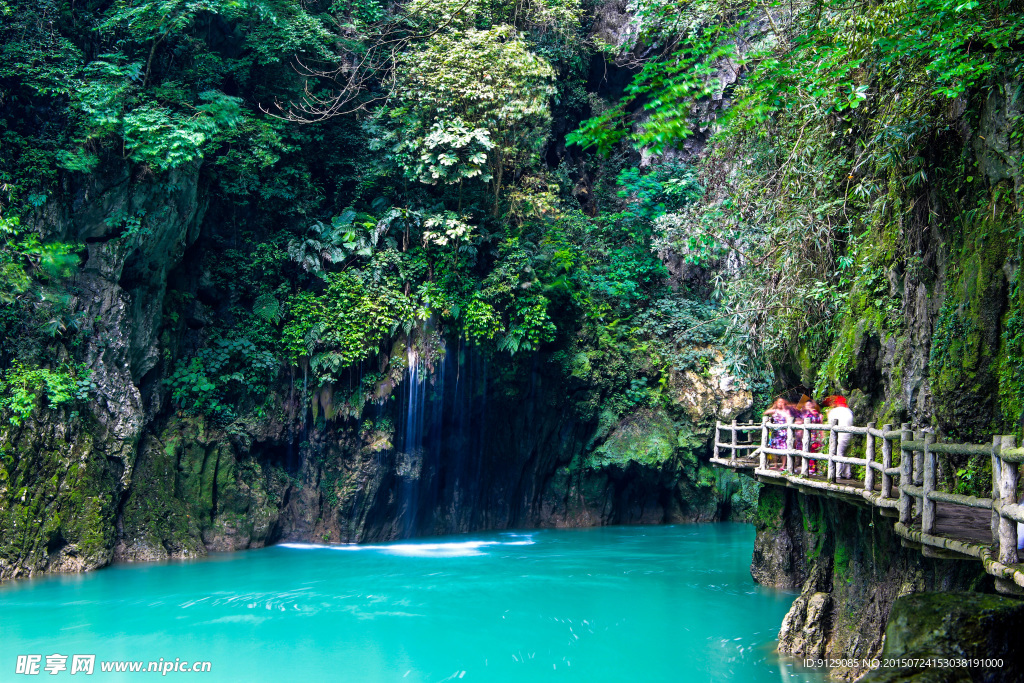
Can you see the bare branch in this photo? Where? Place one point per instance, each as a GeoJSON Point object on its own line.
{"type": "Point", "coordinates": [353, 75]}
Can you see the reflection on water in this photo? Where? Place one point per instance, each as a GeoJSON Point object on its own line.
{"type": "Point", "coordinates": [622, 603]}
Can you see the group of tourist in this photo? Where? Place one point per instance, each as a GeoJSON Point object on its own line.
{"type": "Point", "coordinates": [809, 411]}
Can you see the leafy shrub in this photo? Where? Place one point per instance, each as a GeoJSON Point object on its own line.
{"type": "Point", "coordinates": [345, 324]}
{"type": "Point", "coordinates": [219, 375]}
{"type": "Point", "coordinates": [22, 387]}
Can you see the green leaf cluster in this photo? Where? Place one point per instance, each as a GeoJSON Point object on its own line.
{"type": "Point", "coordinates": [22, 386]}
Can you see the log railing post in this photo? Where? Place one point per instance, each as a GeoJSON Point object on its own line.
{"type": "Point", "coordinates": [997, 462]}
{"type": "Point", "coordinates": [906, 464]}
{"type": "Point", "coordinates": [714, 442]}
{"type": "Point", "coordinates": [764, 443]}
{"type": "Point", "coordinates": [918, 460]}
{"type": "Point", "coordinates": [734, 438]}
{"type": "Point", "coordinates": [1008, 496]}
{"type": "Point", "coordinates": [789, 444]}
{"type": "Point", "coordinates": [886, 462]}
{"type": "Point", "coordinates": [805, 445]}
{"type": "Point", "coordinates": [927, 505]}
{"type": "Point", "coordinates": [869, 460]}
{"type": "Point", "coordinates": [916, 477]}
{"type": "Point", "coordinates": [832, 448]}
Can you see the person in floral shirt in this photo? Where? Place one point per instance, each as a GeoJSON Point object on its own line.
{"type": "Point", "coordinates": [777, 414]}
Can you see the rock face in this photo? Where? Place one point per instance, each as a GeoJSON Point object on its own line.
{"type": "Point", "coordinates": [780, 556]}
{"type": "Point", "coordinates": [850, 568]}
{"type": "Point", "coordinates": [954, 626]}
{"type": "Point", "coordinates": [948, 361]}
{"type": "Point", "coordinates": [456, 446]}
{"type": "Point", "coordinates": [806, 626]}
{"type": "Point", "coordinates": [714, 393]}
{"type": "Point", "coordinates": [70, 473]}
{"type": "Point", "coordinates": [194, 490]}
{"type": "Point", "coordinates": [453, 453]}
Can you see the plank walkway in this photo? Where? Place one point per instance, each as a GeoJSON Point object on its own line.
{"type": "Point", "coordinates": [952, 521]}
{"type": "Point", "coordinates": [940, 524]}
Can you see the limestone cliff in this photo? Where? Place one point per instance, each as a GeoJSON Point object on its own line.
{"type": "Point", "coordinates": [451, 453]}
{"type": "Point", "coordinates": [68, 472]}
{"type": "Point", "coordinates": [850, 568]}
{"type": "Point", "coordinates": [456, 446]}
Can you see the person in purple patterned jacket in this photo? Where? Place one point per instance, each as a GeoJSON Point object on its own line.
{"type": "Point", "coordinates": [777, 414]}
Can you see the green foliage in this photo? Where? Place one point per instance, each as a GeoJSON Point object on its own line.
{"type": "Point", "coordinates": [154, 90]}
{"type": "Point", "coordinates": [821, 56]}
{"type": "Point", "coordinates": [24, 258]}
{"type": "Point", "coordinates": [819, 155]}
{"type": "Point", "coordinates": [448, 153]}
{"type": "Point", "coordinates": [791, 230]}
{"type": "Point", "coordinates": [669, 187]}
{"type": "Point", "coordinates": [156, 135]}
{"type": "Point", "coordinates": [469, 101]}
{"type": "Point", "coordinates": [974, 477]}
{"type": "Point", "coordinates": [273, 29]}
{"type": "Point", "coordinates": [344, 325]}
{"type": "Point", "coordinates": [669, 87]}
{"type": "Point", "coordinates": [22, 386]}
{"type": "Point", "coordinates": [214, 380]}
{"type": "Point", "coordinates": [525, 323]}
{"type": "Point", "coordinates": [347, 237]}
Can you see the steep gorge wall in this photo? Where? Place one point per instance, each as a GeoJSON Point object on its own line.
{"type": "Point", "coordinates": [849, 566]}
{"type": "Point", "coordinates": [127, 477]}
{"type": "Point", "coordinates": [67, 473]}
{"type": "Point", "coordinates": [462, 444]}
{"type": "Point", "coordinates": [454, 452]}
{"type": "Point", "coordinates": [930, 331]}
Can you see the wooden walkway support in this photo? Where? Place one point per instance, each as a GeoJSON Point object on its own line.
{"type": "Point", "coordinates": [942, 523]}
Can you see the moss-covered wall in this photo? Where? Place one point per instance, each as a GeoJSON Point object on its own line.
{"type": "Point", "coordinates": [930, 331]}
{"type": "Point", "coordinates": [59, 493]}
{"type": "Point", "coordinates": [849, 566]}
{"type": "Point", "coordinates": [965, 351]}
{"type": "Point", "coordinates": [194, 491]}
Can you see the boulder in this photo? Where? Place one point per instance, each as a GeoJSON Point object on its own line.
{"type": "Point", "coordinates": [953, 626]}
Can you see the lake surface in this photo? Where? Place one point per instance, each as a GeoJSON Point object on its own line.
{"type": "Point", "coordinates": [668, 603]}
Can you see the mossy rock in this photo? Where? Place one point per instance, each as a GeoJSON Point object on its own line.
{"type": "Point", "coordinates": [192, 493]}
{"type": "Point", "coordinates": [58, 495]}
{"type": "Point", "coordinates": [953, 625]}
{"type": "Point", "coordinates": [965, 353]}
{"type": "Point", "coordinates": [646, 437]}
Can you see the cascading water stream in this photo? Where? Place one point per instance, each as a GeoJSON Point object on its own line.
{"type": "Point", "coordinates": [440, 441]}
{"type": "Point", "coordinates": [410, 458]}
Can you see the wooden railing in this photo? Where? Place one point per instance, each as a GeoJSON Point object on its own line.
{"type": "Point", "coordinates": [909, 487]}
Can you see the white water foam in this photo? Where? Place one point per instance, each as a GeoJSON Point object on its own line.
{"type": "Point", "coordinates": [449, 549]}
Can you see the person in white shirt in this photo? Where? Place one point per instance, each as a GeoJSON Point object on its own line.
{"type": "Point", "coordinates": [840, 414]}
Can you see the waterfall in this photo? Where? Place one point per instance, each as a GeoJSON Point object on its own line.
{"type": "Point", "coordinates": [410, 459]}
{"type": "Point", "coordinates": [440, 441]}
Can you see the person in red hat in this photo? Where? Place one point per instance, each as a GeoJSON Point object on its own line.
{"type": "Point", "coordinates": [840, 414]}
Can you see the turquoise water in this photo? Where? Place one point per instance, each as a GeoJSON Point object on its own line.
{"type": "Point", "coordinates": [669, 603]}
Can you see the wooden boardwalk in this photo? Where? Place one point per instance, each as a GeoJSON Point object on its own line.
{"type": "Point", "coordinates": [902, 483]}
{"type": "Point", "coordinates": [955, 521]}
{"type": "Point", "coordinates": [973, 525]}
